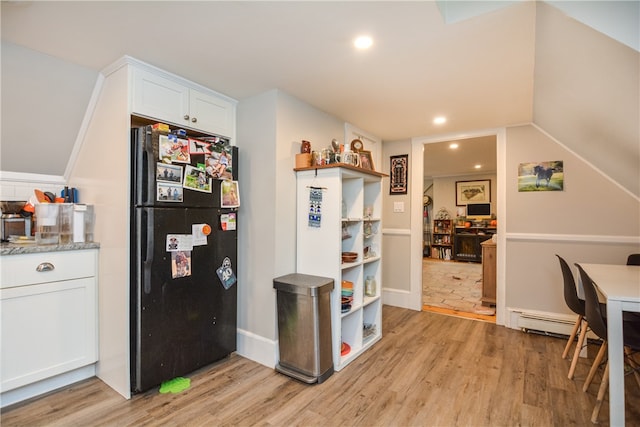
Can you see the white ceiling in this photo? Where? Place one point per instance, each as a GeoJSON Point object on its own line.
{"type": "Point", "coordinates": [478, 72]}
{"type": "Point", "coordinates": [441, 160]}
{"type": "Point", "coordinates": [476, 68]}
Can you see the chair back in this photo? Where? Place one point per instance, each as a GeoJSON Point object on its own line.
{"type": "Point", "coordinates": [570, 294]}
{"type": "Point", "coordinates": [594, 314]}
{"type": "Point", "coordinates": [633, 259]}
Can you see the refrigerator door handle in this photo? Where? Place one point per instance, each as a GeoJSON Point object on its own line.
{"type": "Point", "coordinates": [145, 167]}
{"type": "Point", "coordinates": [147, 228]}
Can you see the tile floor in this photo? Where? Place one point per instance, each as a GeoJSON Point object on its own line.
{"type": "Point", "coordinates": [453, 285]}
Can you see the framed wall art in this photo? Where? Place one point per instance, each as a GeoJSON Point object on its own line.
{"type": "Point", "coordinates": [473, 192]}
{"type": "Point", "coordinates": [541, 176]}
{"type": "Point", "coordinates": [399, 174]}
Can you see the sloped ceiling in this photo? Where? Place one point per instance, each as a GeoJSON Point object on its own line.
{"type": "Point", "coordinates": [587, 95]}
{"type": "Point", "coordinates": [478, 71]}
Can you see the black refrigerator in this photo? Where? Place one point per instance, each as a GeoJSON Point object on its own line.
{"type": "Point", "coordinates": [183, 254]}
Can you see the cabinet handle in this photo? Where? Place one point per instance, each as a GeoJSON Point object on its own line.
{"type": "Point", "coordinates": [194, 120]}
{"type": "Point", "coordinates": [186, 117]}
{"type": "Point", "coordinates": [45, 266]}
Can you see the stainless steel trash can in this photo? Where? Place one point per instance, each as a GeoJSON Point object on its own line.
{"type": "Point", "coordinates": [304, 327]}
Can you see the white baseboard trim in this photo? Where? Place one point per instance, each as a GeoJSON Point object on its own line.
{"type": "Point", "coordinates": [257, 348]}
{"type": "Point", "coordinates": [50, 384]}
{"type": "Point", "coordinates": [399, 298]}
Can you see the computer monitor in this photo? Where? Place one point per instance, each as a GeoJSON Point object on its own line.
{"type": "Point", "coordinates": [479, 211]}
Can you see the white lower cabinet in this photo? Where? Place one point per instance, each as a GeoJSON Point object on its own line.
{"type": "Point", "coordinates": [48, 304]}
{"type": "Point", "coordinates": [344, 215]}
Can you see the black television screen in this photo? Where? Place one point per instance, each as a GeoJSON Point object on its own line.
{"type": "Point", "coordinates": [479, 210]}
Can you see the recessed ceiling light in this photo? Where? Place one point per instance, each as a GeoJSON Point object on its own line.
{"type": "Point", "coordinates": [439, 120]}
{"type": "Point", "coordinates": [363, 42]}
{"type": "Point", "coordinates": [477, 166]}
{"type": "Point", "coordinates": [453, 145]}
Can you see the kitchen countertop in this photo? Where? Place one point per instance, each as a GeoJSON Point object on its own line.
{"type": "Point", "coordinates": [19, 249]}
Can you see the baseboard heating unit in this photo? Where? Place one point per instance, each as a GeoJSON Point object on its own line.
{"type": "Point", "coordinates": [545, 323]}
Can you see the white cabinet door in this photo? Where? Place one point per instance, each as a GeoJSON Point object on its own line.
{"type": "Point", "coordinates": [160, 98]}
{"type": "Point", "coordinates": [47, 329]}
{"type": "Point", "coordinates": [211, 113]}
{"type": "Point", "coordinates": [48, 308]}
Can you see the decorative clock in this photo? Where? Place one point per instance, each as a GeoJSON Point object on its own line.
{"type": "Point", "coordinates": [357, 145]}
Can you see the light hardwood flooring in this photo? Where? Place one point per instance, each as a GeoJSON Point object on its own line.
{"type": "Point", "coordinates": [428, 370]}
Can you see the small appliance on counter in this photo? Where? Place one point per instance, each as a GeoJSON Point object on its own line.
{"type": "Point", "coordinates": [64, 223]}
{"type": "Point", "coordinates": [13, 222]}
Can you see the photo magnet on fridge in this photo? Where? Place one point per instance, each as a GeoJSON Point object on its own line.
{"type": "Point", "coordinates": [173, 149]}
{"type": "Point", "coordinates": [179, 242]}
{"type": "Point", "coordinates": [195, 179]}
{"type": "Point", "coordinates": [168, 173]}
{"type": "Point", "coordinates": [197, 146]}
{"type": "Point", "coordinates": [226, 274]}
{"type": "Point", "coordinates": [228, 221]}
{"type": "Point", "coordinates": [199, 233]}
{"type": "Point", "coordinates": [180, 264]}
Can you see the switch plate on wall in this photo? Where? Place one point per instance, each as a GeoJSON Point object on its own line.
{"type": "Point", "coordinates": [398, 206]}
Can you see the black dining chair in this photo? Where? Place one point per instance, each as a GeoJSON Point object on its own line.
{"type": "Point", "coordinates": [633, 259]}
{"type": "Point", "coordinates": [576, 305]}
{"type": "Point", "coordinates": [598, 324]}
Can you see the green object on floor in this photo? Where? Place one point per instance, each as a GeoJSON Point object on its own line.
{"type": "Point", "coordinates": [175, 385]}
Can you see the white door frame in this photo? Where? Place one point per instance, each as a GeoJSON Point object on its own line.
{"type": "Point", "coordinates": [416, 184]}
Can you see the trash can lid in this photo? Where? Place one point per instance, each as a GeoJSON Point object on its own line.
{"type": "Point", "coordinates": [303, 284]}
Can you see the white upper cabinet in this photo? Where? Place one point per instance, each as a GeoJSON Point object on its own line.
{"type": "Point", "coordinates": [161, 98]}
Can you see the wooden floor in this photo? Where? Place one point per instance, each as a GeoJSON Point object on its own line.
{"type": "Point", "coordinates": [428, 370]}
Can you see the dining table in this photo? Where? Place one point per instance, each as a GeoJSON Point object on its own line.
{"type": "Point", "coordinates": [620, 286]}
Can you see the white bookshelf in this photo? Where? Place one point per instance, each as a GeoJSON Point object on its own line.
{"type": "Point", "coordinates": [319, 249]}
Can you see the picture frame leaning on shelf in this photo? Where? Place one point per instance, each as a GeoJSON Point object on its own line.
{"type": "Point", "coordinates": [366, 160]}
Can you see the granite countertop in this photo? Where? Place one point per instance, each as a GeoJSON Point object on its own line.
{"type": "Point", "coordinates": [18, 249]}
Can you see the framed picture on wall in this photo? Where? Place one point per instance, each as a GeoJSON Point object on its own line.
{"type": "Point", "coordinates": [399, 174]}
{"type": "Point", "coordinates": [541, 176]}
{"type": "Point", "coordinates": [473, 192]}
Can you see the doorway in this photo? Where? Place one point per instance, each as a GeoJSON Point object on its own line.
{"type": "Point", "coordinates": [452, 281]}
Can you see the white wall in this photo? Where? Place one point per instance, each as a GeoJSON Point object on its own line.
{"type": "Point", "coordinates": [256, 131]}
{"type": "Point", "coordinates": [592, 220]}
{"type": "Point", "coordinates": [589, 98]}
{"type": "Point", "coordinates": [444, 192]}
{"type": "Point", "coordinates": [271, 127]}
{"type": "Point", "coordinates": [396, 234]}
{"type": "Point", "coordinates": [43, 103]}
